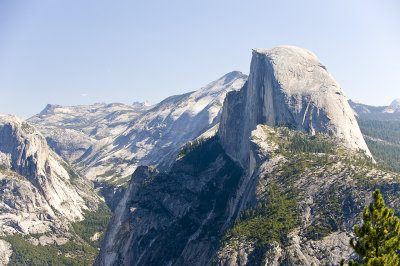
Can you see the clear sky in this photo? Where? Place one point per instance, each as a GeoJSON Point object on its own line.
{"type": "Point", "coordinates": [72, 52]}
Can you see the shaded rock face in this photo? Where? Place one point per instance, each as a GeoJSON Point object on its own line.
{"type": "Point", "coordinates": [36, 192]}
{"type": "Point", "coordinates": [290, 86]}
{"type": "Point", "coordinates": [175, 218]}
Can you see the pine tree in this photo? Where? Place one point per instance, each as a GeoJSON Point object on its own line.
{"type": "Point", "coordinates": [378, 239]}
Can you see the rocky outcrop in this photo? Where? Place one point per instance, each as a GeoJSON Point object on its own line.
{"type": "Point", "coordinates": [39, 192]}
{"type": "Point", "coordinates": [5, 252]}
{"type": "Point", "coordinates": [290, 86]}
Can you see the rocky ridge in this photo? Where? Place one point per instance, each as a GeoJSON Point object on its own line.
{"type": "Point", "coordinates": [108, 142]}
{"type": "Point", "coordinates": [72, 130]}
{"type": "Point", "coordinates": [375, 111]}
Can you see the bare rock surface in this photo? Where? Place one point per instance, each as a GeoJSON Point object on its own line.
{"type": "Point", "coordinates": [110, 141]}
{"type": "Point", "coordinates": [5, 252]}
{"type": "Point", "coordinates": [287, 85]}
{"type": "Point", "coordinates": [37, 192]}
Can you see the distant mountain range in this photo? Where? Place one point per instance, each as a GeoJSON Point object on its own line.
{"type": "Point", "coordinates": [368, 110]}
{"type": "Point", "coordinates": [110, 141]}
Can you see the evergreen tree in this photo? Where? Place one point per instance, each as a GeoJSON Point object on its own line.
{"type": "Point", "coordinates": [378, 239]}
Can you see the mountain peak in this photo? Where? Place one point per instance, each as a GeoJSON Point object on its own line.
{"type": "Point", "coordinates": [49, 109]}
{"type": "Point", "coordinates": [141, 104]}
{"type": "Point", "coordinates": [284, 50]}
{"type": "Point", "coordinates": [287, 85]}
{"type": "Point", "coordinates": [395, 102]}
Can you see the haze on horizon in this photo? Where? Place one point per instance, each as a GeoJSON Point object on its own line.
{"type": "Point", "coordinates": [83, 52]}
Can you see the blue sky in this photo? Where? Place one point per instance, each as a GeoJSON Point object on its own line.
{"type": "Point", "coordinates": [82, 52]}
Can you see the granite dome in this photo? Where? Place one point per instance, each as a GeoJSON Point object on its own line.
{"type": "Point", "coordinates": [287, 85]}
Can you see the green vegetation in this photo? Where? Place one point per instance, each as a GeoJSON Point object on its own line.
{"type": "Point", "coordinates": [191, 146]}
{"type": "Point", "coordinates": [329, 208]}
{"type": "Point", "coordinates": [94, 222]}
{"type": "Point", "coordinates": [310, 157]}
{"type": "Point", "coordinates": [74, 252]}
{"type": "Point", "coordinates": [28, 129]}
{"type": "Point", "coordinates": [269, 221]}
{"type": "Point", "coordinates": [378, 239]}
{"type": "Point", "coordinates": [293, 142]}
{"type": "Point", "coordinates": [384, 129]}
{"type": "Point", "coordinates": [200, 153]}
{"type": "Point", "coordinates": [71, 253]}
{"type": "Point", "coordinates": [387, 154]}
{"type": "Point", "coordinates": [382, 134]}
{"type": "Point", "coordinates": [71, 172]}
{"type": "Point", "coordinates": [118, 181]}
{"type": "Point", "coordinates": [301, 160]}
{"type": "Point", "coordinates": [10, 173]}
{"type": "Point", "coordinates": [299, 142]}
{"type": "Point", "coordinates": [107, 173]}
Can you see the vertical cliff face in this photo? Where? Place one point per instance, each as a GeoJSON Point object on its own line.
{"type": "Point", "coordinates": [287, 85]}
